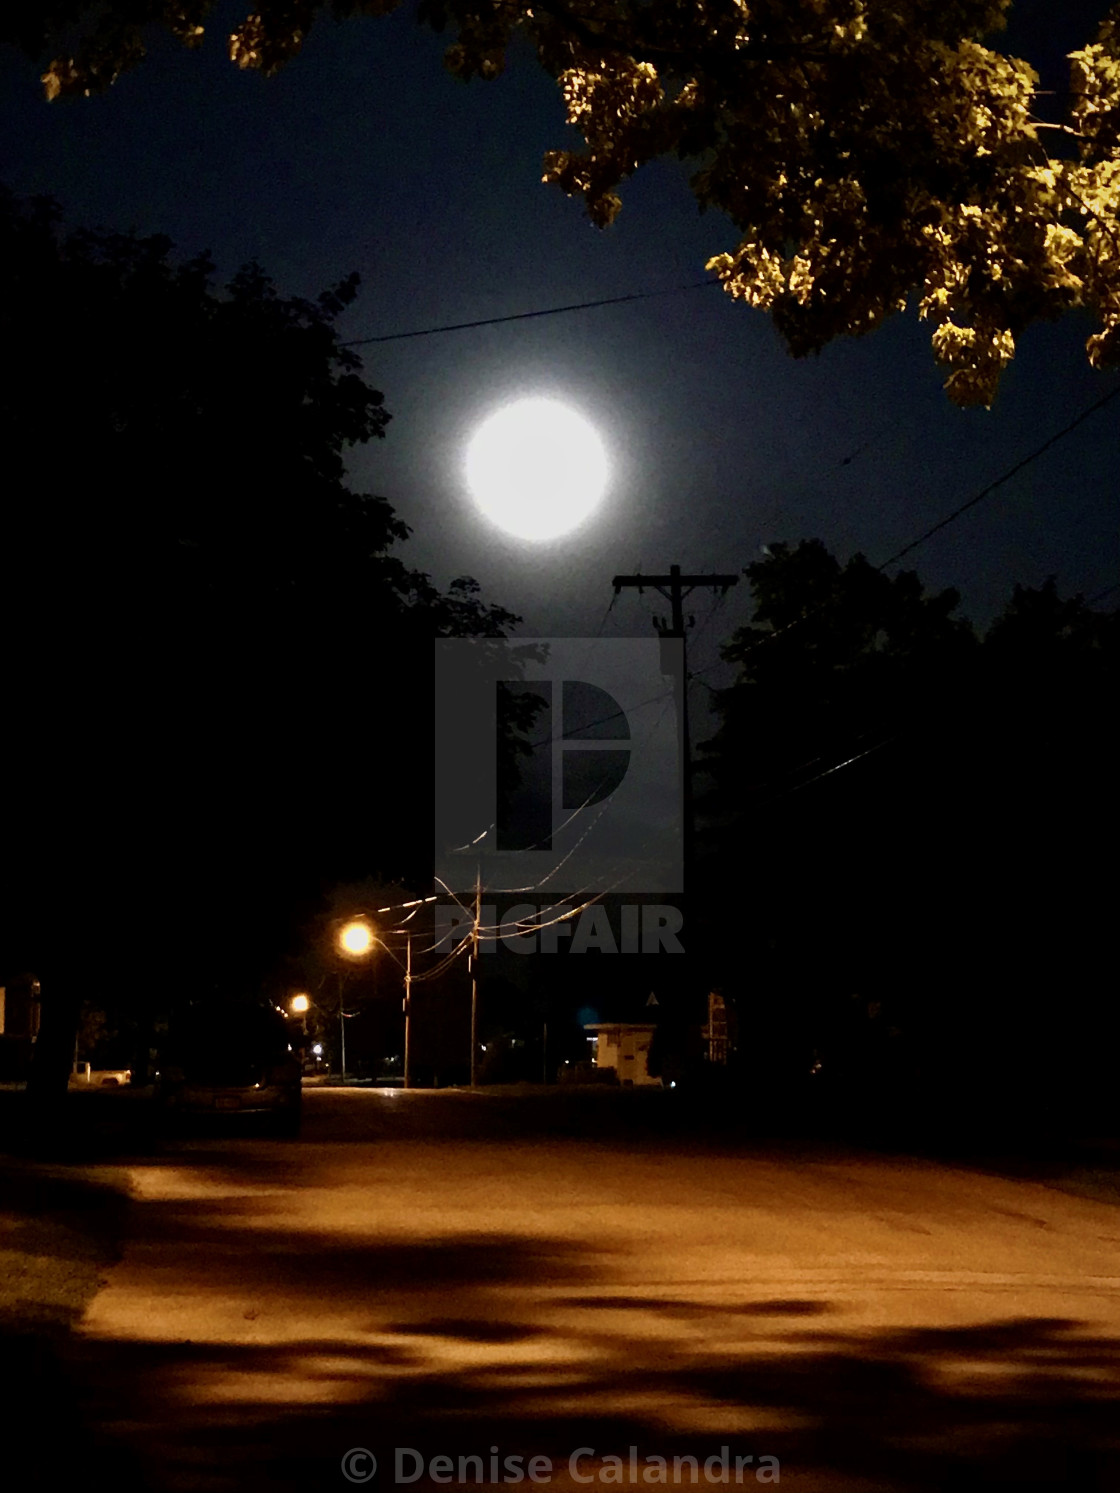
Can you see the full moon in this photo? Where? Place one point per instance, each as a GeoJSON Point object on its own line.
{"type": "Point", "coordinates": [536, 468]}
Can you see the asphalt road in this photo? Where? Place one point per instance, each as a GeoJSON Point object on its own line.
{"type": "Point", "coordinates": [569, 1279]}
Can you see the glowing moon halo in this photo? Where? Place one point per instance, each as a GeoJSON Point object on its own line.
{"type": "Point", "coordinates": [536, 468]}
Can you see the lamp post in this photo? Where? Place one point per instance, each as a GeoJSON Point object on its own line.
{"type": "Point", "coordinates": [341, 1027]}
{"type": "Point", "coordinates": [299, 1005]}
{"type": "Point", "coordinates": [408, 1012]}
{"type": "Point", "coordinates": [407, 998]}
{"type": "Point", "coordinates": [355, 940]}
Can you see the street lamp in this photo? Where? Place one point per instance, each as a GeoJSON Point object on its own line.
{"type": "Point", "coordinates": [299, 1005]}
{"type": "Point", "coordinates": [355, 939]}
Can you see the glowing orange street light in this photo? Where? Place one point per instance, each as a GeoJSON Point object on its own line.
{"type": "Point", "coordinates": [299, 1005]}
{"type": "Point", "coordinates": [356, 938]}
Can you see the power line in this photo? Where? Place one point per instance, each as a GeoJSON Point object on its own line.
{"type": "Point", "coordinates": [858, 756]}
{"type": "Point", "coordinates": [697, 674]}
{"type": "Point", "coordinates": [948, 519]}
{"type": "Point", "coordinates": [887, 427]}
{"type": "Point", "coordinates": [709, 617]}
{"type": "Point", "coordinates": [928, 533]}
{"type": "Point", "coordinates": [1006, 476]}
{"type": "Point", "coordinates": [493, 321]}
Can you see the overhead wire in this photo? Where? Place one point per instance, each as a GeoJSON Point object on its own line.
{"type": "Point", "coordinates": [1012, 471]}
{"type": "Point", "coordinates": [943, 523]}
{"type": "Point", "coordinates": [697, 675]}
{"type": "Point", "coordinates": [886, 428]}
{"type": "Point", "coordinates": [493, 321]}
{"type": "Point", "coordinates": [857, 757]}
{"type": "Point", "coordinates": [913, 544]}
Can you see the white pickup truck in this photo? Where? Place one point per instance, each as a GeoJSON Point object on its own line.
{"type": "Point", "coordinates": [85, 1077]}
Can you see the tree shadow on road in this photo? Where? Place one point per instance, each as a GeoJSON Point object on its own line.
{"type": "Point", "coordinates": [59, 1232]}
{"type": "Point", "coordinates": [457, 1345]}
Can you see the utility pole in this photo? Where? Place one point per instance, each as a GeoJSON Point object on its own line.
{"type": "Point", "coordinates": [408, 1013]}
{"type": "Point", "coordinates": [342, 1024]}
{"type": "Point", "coordinates": [474, 979]}
{"type": "Point", "coordinates": [675, 588]}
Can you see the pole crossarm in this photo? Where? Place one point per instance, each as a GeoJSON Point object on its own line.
{"type": "Point", "coordinates": [675, 587]}
{"type": "Point", "coordinates": [724, 582]}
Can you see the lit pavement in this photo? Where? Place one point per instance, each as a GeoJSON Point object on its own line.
{"type": "Point", "coordinates": [439, 1272]}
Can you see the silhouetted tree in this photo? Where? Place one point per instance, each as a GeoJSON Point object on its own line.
{"type": "Point", "coordinates": [217, 669]}
{"type": "Point", "coordinates": [836, 659]}
{"type": "Point", "coordinates": [900, 812]}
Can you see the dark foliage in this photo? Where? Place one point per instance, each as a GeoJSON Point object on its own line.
{"type": "Point", "coordinates": [906, 870]}
{"type": "Point", "coordinates": [216, 668]}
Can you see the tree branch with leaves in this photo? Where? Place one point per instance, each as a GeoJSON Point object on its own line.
{"type": "Point", "coordinates": [873, 156]}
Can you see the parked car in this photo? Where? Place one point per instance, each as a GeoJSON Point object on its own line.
{"type": "Point", "coordinates": [235, 1060]}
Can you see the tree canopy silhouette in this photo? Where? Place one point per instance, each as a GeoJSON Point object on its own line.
{"type": "Point", "coordinates": [872, 154]}
{"type": "Point", "coordinates": [900, 808]}
{"type": "Point", "coordinates": [217, 669]}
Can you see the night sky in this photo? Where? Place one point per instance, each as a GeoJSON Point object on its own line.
{"type": "Point", "coordinates": [364, 154]}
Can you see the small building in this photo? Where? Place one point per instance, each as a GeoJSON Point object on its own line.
{"type": "Point", "coordinates": [624, 1046]}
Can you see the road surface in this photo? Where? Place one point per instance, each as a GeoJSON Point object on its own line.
{"type": "Point", "coordinates": [465, 1276]}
